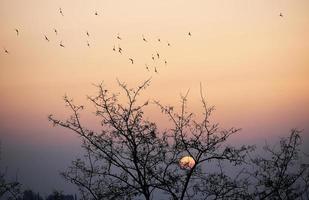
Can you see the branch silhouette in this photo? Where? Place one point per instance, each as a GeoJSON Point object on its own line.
{"type": "Point", "coordinates": [130, 158]}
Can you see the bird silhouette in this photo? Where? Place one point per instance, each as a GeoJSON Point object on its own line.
{"type": "Point", "coordinates": [55, 30]}
{"type": "Point", "coordinates": [114, 49]}
{"type": "Point", "coordinates": [158, 55]}
{"type": "Point", "coordinates": [156, 71]}
{"type": "Point", "coordinates": [6, 51]}
{"type": "Point", "coordinates": [131, 60]}
{"type": "Point", "coordinates": [96, 13]}
{"type": "Point", "coordinates": [189, 33]}
{"type": "Point", "coordinates": [159, 40]}
{"type": "Point", "coordinates": [60, 11]}
{"type": "Point", "coordinates": [165, 62]}
{"type": "Point", "coordinates": [88, 44]}
{"type": "Point", "coordinates": [46, 38]}
{"type": "Point", "coordinates": [147, 67]}
{"type": "Point", "coordinates": [152, 57]}
{"type": "Point", "coordinates": [120, 50]}
{"type": "Point", "coordinates": [118, 37]}
{"type": "Point", "coordinates": [144, 39]}
{"type": "Point", "coordinates": [87, 33]}
{"type": "Point", "coordinates": [281, 15]}
{"type": "Point", "coordinates": [17, 31]}
{"type": "Point", "coordinates": [61, 44]}
{"type": "Point", "coordinates": [168, 44]}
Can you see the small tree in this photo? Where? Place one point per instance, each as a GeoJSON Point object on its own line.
{"type": "Point", "coordinates": [279, 173]}
{"type": "Point", "coordinates": [8, 189]}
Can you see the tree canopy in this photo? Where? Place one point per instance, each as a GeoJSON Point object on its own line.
{"type": "Point", "coordinates": [130, 158]}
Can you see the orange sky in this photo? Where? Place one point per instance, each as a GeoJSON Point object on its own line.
{"type": "Point", "coordinates": [253, 64]}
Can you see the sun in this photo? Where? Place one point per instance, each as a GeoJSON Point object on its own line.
{"type": "Point", "coordinates": [187, 162]}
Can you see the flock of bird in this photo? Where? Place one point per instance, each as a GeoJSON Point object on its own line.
{"type": "Point", "coordinates": [155, 56]}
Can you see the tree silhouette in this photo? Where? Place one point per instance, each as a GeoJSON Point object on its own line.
{"type": "Point", "coordinates": [58, 195]}
{"type": "Point", "coordinates": [8, 189]}
{"type": "Point", "coordinates": [131, 159]}
{"type": "Point", "coordinates": [280, 174]}
{"type": "Point", "coordinates": [30, 195]}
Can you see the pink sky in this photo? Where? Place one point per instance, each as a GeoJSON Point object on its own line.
{"type": "Point", "coordinates": [253, 64]}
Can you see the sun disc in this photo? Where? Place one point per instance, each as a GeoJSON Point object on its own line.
{"type": "Point", "coordinates": [187, 162]}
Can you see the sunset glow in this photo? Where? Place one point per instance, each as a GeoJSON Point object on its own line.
{"type": "Point", "coordinates": [252, 62]}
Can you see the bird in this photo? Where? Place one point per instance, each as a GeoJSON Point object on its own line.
{"type": "Point", "coordinates": [144, 39]}
{"type": "Point", "coordinates": [165, 62]}
{"type": "Point", "coordinates": [156, 70]}
{"type": "Point", "coordinates": [120, 50]}
{"type": "Point", "coordinates": [159, 40]}
{"type": "Point", "coordinates": [6, 51]}
{"type": "Point", "coordinates": [158, 55]}
{"type": "Point", "coordinates": [152, 57]}
{"type": "Point", "coordinates": [168, 44]}
{"type": "Point", "coordinates": [131, 60]}
{"type": "Point", "coordinates": [88, 44]}
{"type": "Point", "coordinates": [118, 37]}
{"type": "Point", "coordinates": [46, 38]}
{"type": "Point", "coordinates": [189, 33]}
{"type": "Point", "coordinates": [55, 30]}
{"type": "Point", "coordinates": [60, 11]}
{"type": "Point", "coordinates": [96, 13]}
{"type": "Point", "coordinates": [87, 33]}
{"type": "Point", "coordinates": [114, 49]}
{"type": "Point", "coordinates": [61, 44]}
{"type": "Point", "coordinates": [147, 67]}
{"type": "Point", "coordinates": [281, 15]}
{"type": "Point", "coordinates": [17, 31]}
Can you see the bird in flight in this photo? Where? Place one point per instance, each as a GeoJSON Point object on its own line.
{"type": "Point", "coordinates": [120, 50]}
{"type": "Point", "coordinates": [158, 55]}
{"type": "Point", "coordinates": [96, 13]}
{"type": "Point", "coordinates": [189, 33]}
{"type": "Point", "coordinates": [165, 62]}
{"type": "Point", "coordinates": [61, 44]}
{"type": "Point", "coordinates": [114, 49]}
{"type": "Point", "coordinates": [6, 51]}
{"type": "Point", "coordinates": [168, 44]}
{"type": "Point", "coordinates": [131, 60]}
{"type": "Point", "coordinates": [46, 38]}
{"type": "Point", "coordinates": [55, 30]}
{"type": "Point", "coordinates": [147, 67]}
{"type": "Point", "coordinates": [159, 40]}
{"type": "Point", "coordinates": [152, 57]}
{"type": "Point", "coordinates": [60, 11]}
{"type": "Point", "coordinates": [17, 31]}
{"type": "Point", "coordinates": [281, 15]}
{"type": "Point", "coordinates": [87, 33]}
{"type": "Point", "coordinates": [118, 37]}
{"type": "Point", "coordinates": [144, 39]}
{"type": "Point", "coordinates": [156, 70]}
{"type": "Point", "coordinates": [88, 44]}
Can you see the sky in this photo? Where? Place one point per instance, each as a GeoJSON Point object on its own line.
{"type": "Point", "coordinates": [252, 63]}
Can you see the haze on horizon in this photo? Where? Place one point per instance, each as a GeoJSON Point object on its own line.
{"type": "Point", "coordinates": [253, 65]}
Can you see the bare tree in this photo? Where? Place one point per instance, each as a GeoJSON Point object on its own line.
{"type": "Point", "coordinates": [129, 158]}
{"type": "Point", "coordinates": [8, 189]}
{"type": "Point", "coordinates": [280, 173]}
